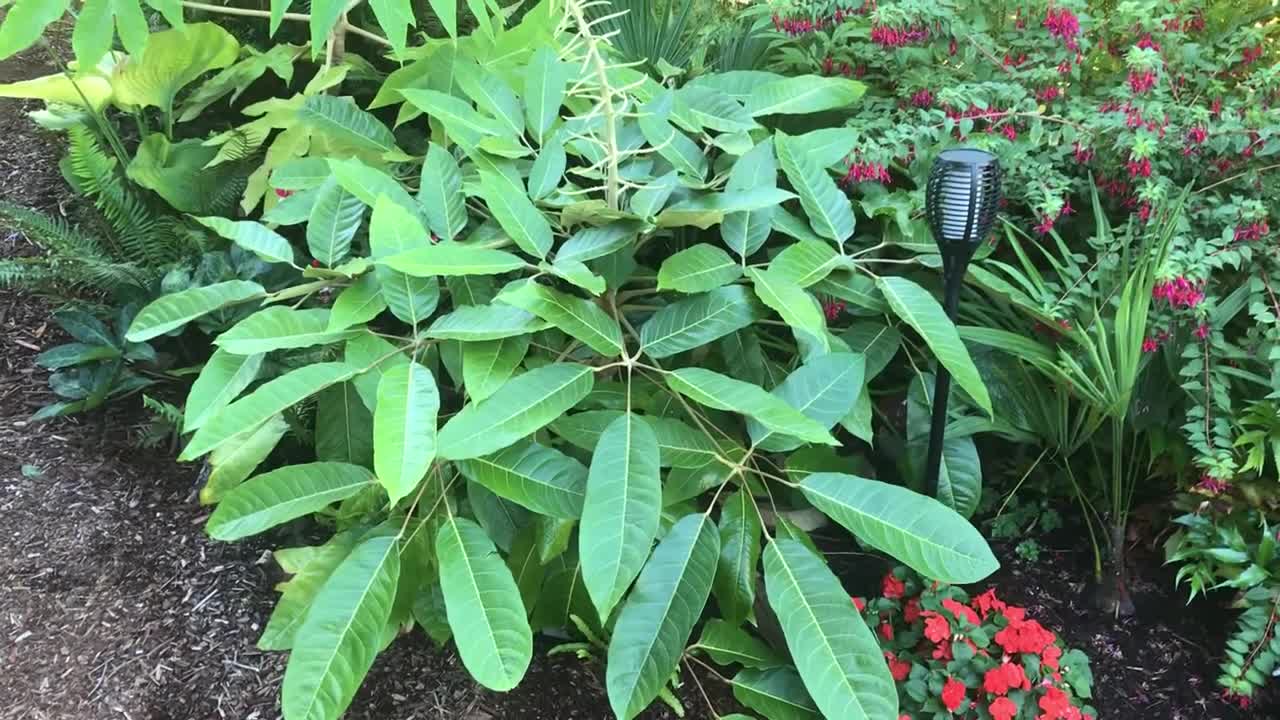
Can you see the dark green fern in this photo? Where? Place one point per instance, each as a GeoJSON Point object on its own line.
{"type": "Point", "coordinates": [73, 259]}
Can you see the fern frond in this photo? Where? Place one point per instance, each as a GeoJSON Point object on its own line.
{"type": "Point", "coordinates": [72, 259]}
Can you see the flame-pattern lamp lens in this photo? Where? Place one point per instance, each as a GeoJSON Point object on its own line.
{"type": "Point", "coordinates": [961, 200]}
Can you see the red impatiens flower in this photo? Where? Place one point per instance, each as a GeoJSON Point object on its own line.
{"type": "Point", "coordinates": [859, 603]}
{"type": "Point", "coordinates": [1023, 636]}
{"type": "Point", "coordinates": [282, 194]}
{"type": "Point", "coordinates": [1056, 705]}
{"type": "Point", "coordinates": [1001, 679]}
{"type": "Point", "coordinates": [987, 602]}
{"type": "Point", "coordinates": [1051, 657]}
{"type": "Point", "coordinates": [1003, 709]}
{"type": "Point", "coordinates": [961, 611]}
{"type": "Point", "coordinates": [936, 627]}
{"type": "Point", "coordinates": [891, 587]}
{"type": "Point", "coordinates": [899, 669]}
{"type": "Point", "coordinates": [911, 612]}
{"type": "Point", "coordinates": [886, 631]}
{"type": "Point", "coordinates": [953, 694]}
{"type": "Point", "coordinates": [943, 651]}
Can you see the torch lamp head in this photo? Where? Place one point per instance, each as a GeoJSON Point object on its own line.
{"type": "Point", "coordinates": [961, 201]}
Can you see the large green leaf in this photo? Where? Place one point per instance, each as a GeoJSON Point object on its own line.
{"type": "Point", "coordinates": [834, 650]}
{"type": "Point", "coordinates": [463, 122]}
{"type": "Point", "coordinates": [267, 244]}
{"type": "Point", "coordinates": [475, 323]}
{"type": "Point", "coordinates": [394, 230]}
{"type": "Point", "coordinates": [650, 199]}
{"type": "Point", "coordinates": [267, 400]}
{"type": "Point", "coordinates": [502, 520]}
{"type": "Point", "coordinates": [447, 12]}
{"type": "Point", "coordinates": [172, 59]}
{"type": "Point", "coordinates": [224, 376]}
{"type": "Point", "coordinates": [235, 460]}
{"type": "Point", "coordinates": [373, 356]}
{"type": "Point", "coordinates": [368, 183]}
{"type": "Point", "coordinates": [777, 693]}
{"type": "Point", "coordinates": [488, 364]}
{"type": "Point", "coordinates": [824, 389]}
{"type": "Point", "coordinates": [453, 259]}
{"type": "Point", "coordinates": [916, 530]}
{"type": "Point", "coordinates": [335, 218]}
{"type": "Point", "coordinates": [484, 606]}
{"type": "Point", "coordinates": [25, 22]}
{"type": "Point", "coordinates": [278, 328]}
{"type": "Point", "coordinates": [492, 94]}
{"type": "Point", "coordinates": [735, 583]}
{"type": "Point", "coordinates": [960, 476]}
{"type": "Point", "coordinates": [344, 427]}
{"type": "Point", "coordinates": [342, 633]}
{"type": "Point", "coordinates": [714, 390]}
{"type": "Point", "coordinates": [404, 428]}
{"type": "Point", "coordinates": [98, 22]}
{"type": "Point", "coordinates": [297, 595]}
{"type": "Point", "coordinates": [654, 625]}
{"type": "Point", "coordinates": [544, 87]}
{"type": "Point", "coordinates": [696, 321]}
{"type": "Point", "coordinates": [440, 193]}
{"type": "Point", "coordinates": [511, 207]}
{"type": "Point", "coordinates": [806, 262]}
{"type": "Point", "coordinates": [342, 120]}
{"type": "Point", "coordinates": [829, 210]}
{"type": "Point", "coordinates": [621, 510]}
{"type": "Point", "coordinates": [728, 644]}
{"type": "Point", "coordinates": [578, 317]}
{"type": "Point", "coordinates": [803, 94]}
{"type": "Point", "coordinates": [698, 269]}
{"type": "Point", "coordinates": [922, 312]}
{"type": "Point", "coordinates": [537, 477]}
{"type": "Point", "coordinates": [523, 405]}
{"type": "Point", "coordinates": [170, 312]}
{"type": "Point", "coordinates": [593, 242]}
{"type": "Point", "coordinates": [284, 494]}
{"type": "Point", "coordinates": [707, 209]}
{"type": "Point", "coordinates": [547, 170]}
{"type": "Point", "coordinates": [745, 232]}
{"type": "Point", "coordinates": [357, 304]}
{"type": "Point", "coordinates": [797, 307]}
{"type": "Point", "coordinates": [681, 445]}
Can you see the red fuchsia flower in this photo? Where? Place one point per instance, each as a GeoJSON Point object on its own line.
{"type": "Point", "coordinates": [1049, 94]}
{"type": "Point", "coordinates": [1147, 43]}
{"type": "Point", "coordinates": [859, 603]}
{"type": "Point", "coordinates": [862, 171]}
{"type": "Point", "coordinates": [1010, 132]}
{"type": "Point", "coordinates": [1083, 154]}
{"type": "Point", "coordinates": [1252, 231]}
{"type": "Point", "coordinates": [1197, 135]}
{"type": "Point", "coordinates": [828, 65]}
{"type": "Point", "coordinates": [960, 611]}
{"type": "Point", "coordinates": [1215, 108]}
{"type": "Point", "coordinates": [1001, 679]}
{"type": "Point", "coordinates": [891, 38]}
{"type": "Point", "coordinates": [1010, 61]}
{"type": "Point", "coordinates": [1144, 212]}
{"type": "Point", "coordinates": [891, 587]}
{"type": "Point", "coordinates": [897, 668]}
{"type": "Point", "coordinates": [886, 631]}
{"type": "Point", "coordinates": [1180, 292]}
{"type": "Point", "coordinates": [911, 612]}
{"type": "Point", "coordinates": [1062, 23]}
{"type": "Point", "coordinates": [922, 99]}
{"type": "Point", "coordinates": [1251, 55]}
{"type": "Point", "coordinates": [936, 627]}
{"type": "Point", "coordinates": [282, 194]}
{"type": "Point", "coordinates": [1141, 82]}
{"type": "Point", "coordinates": [952, 694]}
{"type": "Point", "coordinates": [1211, 485]}
{"type": "Point", "coordinates": [1150, 345]}
{"type": "Point", "coordinates": [1202, 332]}
{"type": "Point", "coordinates": [832, 310]}
{"type": "Point", "coordinates": [315, 263]}
{"type": "Point", "coordinates": [1138, 167]}
{"type": "Point", "coordinates": [1241, 701]}
{"type": "Point", "coordinates": [1003, 709]}
{"type": "Point", "coordinates": [951, 48]}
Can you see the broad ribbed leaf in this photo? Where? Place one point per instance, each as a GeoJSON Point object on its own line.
{"type": "Point", "coordinates": [548, 169]}
{"type": "Point", "coordinates": [235, 460]}
{"type": "Point", "coordinates": [368, 184]}
{"type": "Point", "coordinates": [696, 321]}
{"type": "Point", "coordinates": [523, 405]}
{"type": "Point", "coordinates": [537, 477]}
{"type": "Point", "coordinates": [593, 242]}
{"type": "Point", "coordinates": [463, 122]}
{"type": "Point", "coordinates": [267, 400]}
{"type": "Point", "coordinates": [337, 643]}
{"type": "Point", "coordinates": [170, 312]}
{"type": "Point", "coordinates": [344, 427]}
{"type": "Point", "coordinates": [525, 567]}
{"type": "Point", "coordinates": [492, 94]}
{"type": "Point", "coordinates": [297, 595]}
{"type": "Point", "coordinates": [488, 364]}
{"type": "Point", "coordinates": [745, 232]}
{"type": "Point", "coordinates": [257, 238]}
{"type": "Point", "coordinates": [922, 312]}
{"type": "Point", "coordinates": [394, 230]}
{"type": "Point", "coordinates": [453, 259]}
{"type": "Point", "coordinates": [580, 318]}
{"type": "Point", "coordinates": [649, 200]}
{"type": "Point", "coordinates": [502, 520]}
{"type": "Point", "coordinates": [682, 445]}
{"type": "Point", "coordinates": [829, 210]}
{"type": "Point", "coordinates": [475, 323]}
{"type": "Point", "coordinates": [307, 173]}
{"type": "Point", "coordinates": [728, 644]}
{"type": "Point", "coordinates": [621, 511]}
{"type": "Point", "coordinates": [714, 390]}
{"type": "Point", "coordinates": [373, 356]}
{"type": "Point", "coordinates": [544, 85]}
{"type": "Point", "coordinates": [278, 328]}
{"type": "Point", "coordinates": [483, 605]}
{"type": "Point", "coordinates": [877, 343]}
{"type": "Point", "coordinates": [395, 17]}
{"type": "Point", "coordinates": [823, 389]}
{"type": "Point", "coordinates": [836, 654]}
{"type": "Point", "coordinates": [339, 118]}
{"type": "Point", "coordinates": [960, 476]}
{"type": "Point", "coordinates": [223, 377]}
{"type": "Point", "coordinates": [777, 693]}
{"type": "Point", "coordinates": [404, 428]}
{"type": "Point", "coordinates": [806, 262]}
{"type": "Point", "coordinates": [513, 210]}
{"type": "Point", "coordinates": [797, 307]}
{"type": "Point", "coordinates": [335, 218]}
{"type": "Point", "coordinates": [698, 269]}
{"type": "Point", "coordinates": [447, 12]}
{"type": "Point", "coordinates": [440, 193]}
{"type": "Point", "coordinates": [735, 583]}
{"type": "Point", "coordinates": [654, 625]}
{"type": "Point", "coordinates": [285, 494]}
{"type": "Point", "coordinates": [357, 304]}
{"type": "Point", "coordinates": [914, 529]}
{"type": "Point", "coordinates": [803, 94]}
{"type": "Point", "coordinates": [26, 21]}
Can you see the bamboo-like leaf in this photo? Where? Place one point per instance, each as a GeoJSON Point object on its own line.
{"type": "Point", "coordinates": [836, 654]}
{"type": "Point", "coordinates": [254, 237]}
{"type": "Point", "coordinates": [335, 218]}
{"type": "Point", "coordinates": [917, 530]}
{"type": "Point", "coordinates": [170, 312]}
{"type": "Point", "coordinates": [537, 477]}
{"type": "Point", "coordinates": [777, 693]}
{"type": "Point", "coordinates": [224, 377]}
{"type": "Point", "coordinates": [477, 323]}
{"type": "Point", "coordinates": [915, 306]}
{"type": "Point", "coordinates": [824, 389]}
{"type": "Point", "coordinates": [513, 210]}
{"type": "Point", "coordinates": [337, 643]}
{"type": "Point", "coordinates": [440, 193]}
{"type": "Point", "coordinates": [544, 87]}
{"type": "Point", "coordinates": [285, 494]}
{"type": "Point", "coordinates": [829, 210]}
{"type": "Point", "coordinates": [696, 321]}
{"type": "Point", "coordinates": [523, 405]}
{"type": "Point", "coordinates": [714, 390]}
{"type": "Point", "coordinates": [803, 94]}
{"type": "Point", "coordinates": [581, 319]}
{"type": "Point", "coordinates": [728, 644]}
{"type": "Point", "coordinates": [453, 259]}
{"type": "Point", "coordinates": [735, 583]}
{"type": "Point", "coordinates": [621, 511]}
{"type": "Point", "coordinates": [488, 364]}
{"type": "Point", "coordinates": [483, 604]}
{"type": "Point", "coordinates": [797, 307]}
{"type": "Point", "coordinates": [404, 428]}
{"type": "Point", "coordinates": [698, 269]}
{"type": "Point", "coordinates": [654, 625]}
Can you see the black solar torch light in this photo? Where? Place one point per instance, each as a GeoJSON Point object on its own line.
{"type": "Point", "coordinates": [961, 201]}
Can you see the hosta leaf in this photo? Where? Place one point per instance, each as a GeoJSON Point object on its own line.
{"type": "Point", "coordinates": [285, 494]}
{"type": "Point", "coordinates": [344, 427]}
{"type": "Point", "coordinates": [340, 119]}
{"type": "Point", "coordinates": [696, 321]}
{"type": "Point", "coordinates": [170, 312]}
{"type": "Point", "coordinates": [171, 60]}
{"type": "Point", "coordinates": [823, 389]}
{"type": "Point", "coordinates": [337, 643]}
{"type": "Point", "coordinates": [537, 477]}
{"type": "Point", "coordinates": [916, 307]}
{"type": "Point", "coordinates": [513, 210]}
{"type": "Point", "coordinates": [829, 210]}
{"type": "Point", "coordinates": [297, 595]}
{"type": "Point", "coordinates": [487, 364]}
{"type": "Point", "coordinates": [594, 242]}
{"type": "Point", "coordinates": [714, 390]}
{"type": "Point", "coordinates": [580, 318]}
{"type": "Point", "coordinates": [453, 259]}
{"type": "Point", "coordinates": [267, 400]}
{"type": "Point", "coordinates": [777, 693]}
{"type": "Point", "coordinates": [728, 644]}
{"type": "Point", "coordinates": [544, 87]}
{"type": "Point", "coordinates": [524, 404]}
{"type": "Point", "coordinates": [277, 328]}
{"type": "Point", "coordinates": [803, 94]}
{"type": "Point", "coordinates": [475, 323]}
{"type": "Point", "coordinates": [394, 230]}
{"type": "Point", "coordinates": [916, 530]}
{"type": "Point", "coordinates": [797, 307]}
{"type": "Point", "coordinates": [254, 237]}
{"type": "Point", "coordinates": [621, 510]}
{"type": "Point", "coordinates": [224, 377]}
{"type": "Point", "coordinates": [440, 193]}
{"type": "Point", "coordinates": [484, 606]}
{"type": "Point", "coordinates": [357, 304]}
{"type": "Point", "coordinates": [735, 583]}
{"type": "Point", "coordinates": [235, 460]}
{"type": "Point", "coordinates": [404, 428]}
{"type": "Point", "coordinates": [658, 617]}
{"type": "Point", "coordinates": [698, 269]}
{"type": "Point", "coordinates": [72, 354]}
{"type": "Point", "coordinates": [335, 218]}
{"type": "Point", "coordinates": [806, 262]}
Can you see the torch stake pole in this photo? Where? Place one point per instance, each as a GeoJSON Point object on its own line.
{"type": "Point", "coordinates": [953, 274]}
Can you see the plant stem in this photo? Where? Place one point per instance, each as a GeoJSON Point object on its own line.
{"type": "Point", "coordinates": [606, 104]}
{"type": "Point", "coordinates": [243, 12]}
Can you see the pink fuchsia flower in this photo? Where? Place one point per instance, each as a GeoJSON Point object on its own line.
{"type": "Point", "coordinates": [1202, 331]}
{"type": "Point", "coordinates": [1049, 94]}
{"type": "Point", "coordinates": [1148, 44]}
{"type": "Point", "coordinates": [1180, 292]}
{"type": "Point", "coordinates": [1251, 55]}
{"type": "Point", "coordinates": [1144, 211]}
{"type": "Point", "coordinates": [1141, 82]}
{"type": "Point", "coordinates": [891, 38]}
{"type": "Point", "coordinates": [922, 99]}
{"type": "Point", "coordinates": [1150, 345]}
{"type": "Point", "coordinates": [1062, 23]}
{"type": "Point", "coordinates": [1210, 485]}
{"type": "Point", "coordinates": [951, 47]}
{"type": "Point", "coordinates": [1139, 167]}
{"type": "Point", "coordinates": [832, 310]}
{"type": "Point", "coordinates": [1010, 132]}
{"type": "Point", "coordinates": [1083, 154]}
{"type": "Point", "coordinates": [1252, 231]}
{"type": "Point", "coordinates": [862, 171]}
{"type": "Point", "coordinates": [282, 194]}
